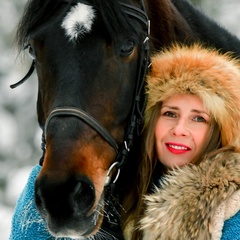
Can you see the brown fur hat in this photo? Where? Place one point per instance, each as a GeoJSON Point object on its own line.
{"type": "Point", "coordinates": [206, 73]}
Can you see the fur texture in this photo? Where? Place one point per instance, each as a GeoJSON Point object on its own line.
{"type": "Point", "coordinates": [194, 201]}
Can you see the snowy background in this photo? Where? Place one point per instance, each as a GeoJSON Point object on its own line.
{"type": "Point", "coordinates": [19, 132]}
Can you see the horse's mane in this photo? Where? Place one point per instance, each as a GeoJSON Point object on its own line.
{"type": "Point", "coordinates": [38, 11]}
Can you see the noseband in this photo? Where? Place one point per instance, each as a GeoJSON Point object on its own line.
{"type": "Point", "coordinates": [88, 119]}
{"type": "Point", "coordinates": [137, 107]}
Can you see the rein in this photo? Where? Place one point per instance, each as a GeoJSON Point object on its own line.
{"type": "Point", "coordinates": [137, 108]}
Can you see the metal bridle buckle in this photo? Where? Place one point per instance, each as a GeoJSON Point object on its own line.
{"type": "Point", "coordinates": [108, 178]}
{"type": "Point", "coordinates": [126, 146]}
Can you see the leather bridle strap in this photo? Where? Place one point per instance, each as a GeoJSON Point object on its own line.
{"type": "Point", "coordinates": [137, 13]}
{"type": "Point", "coordinates": [29, 73]}
{"type": "Point", "coordinates": [84, 116]}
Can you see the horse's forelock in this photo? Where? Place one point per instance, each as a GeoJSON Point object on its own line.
{"type": "Point", "coordinates": [36, 11]}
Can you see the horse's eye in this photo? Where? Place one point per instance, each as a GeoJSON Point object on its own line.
{"type": "Point", "coordinates": [31, 51]}
{"type": "Point", "coordinates": [127, 48]}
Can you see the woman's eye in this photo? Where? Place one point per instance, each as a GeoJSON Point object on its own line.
{"type": "Point", "coordinates": [170, 114]}
{"type": "Point", "coordinates": [199, 119]}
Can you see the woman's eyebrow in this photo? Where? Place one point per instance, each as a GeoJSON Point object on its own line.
{"type": "Point", "coordinates": [200, 111]}
{"type": "Point", "coordinates": [171, 107]}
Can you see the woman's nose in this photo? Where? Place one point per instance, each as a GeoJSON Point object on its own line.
{"type": "Point", "coordinates": [180, 128]}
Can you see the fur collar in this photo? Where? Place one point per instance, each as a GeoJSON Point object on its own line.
{"type": "Point", "coordinates": [195, 200]}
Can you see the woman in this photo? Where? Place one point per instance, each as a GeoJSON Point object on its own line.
{"type": "Point", "coordinates": [191, 149]}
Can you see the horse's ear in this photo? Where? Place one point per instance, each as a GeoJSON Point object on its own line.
{"type": "Point", "coordinates": [29, 73]}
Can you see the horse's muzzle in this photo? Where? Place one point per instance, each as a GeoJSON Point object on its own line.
{"type": "Point", "coordinates": [67, 206]}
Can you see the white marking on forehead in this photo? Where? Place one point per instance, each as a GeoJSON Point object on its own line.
{"type": "Point", "coordinates": [78, 21]}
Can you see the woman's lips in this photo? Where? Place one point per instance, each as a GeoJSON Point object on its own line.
{"type": "Point", "coordinates": [177, 148]}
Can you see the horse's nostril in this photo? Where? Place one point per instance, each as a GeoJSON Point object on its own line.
{"type": "Point", "coordinates": [64, 199]}
{"type": "Point", "coordinates": [83, 194]}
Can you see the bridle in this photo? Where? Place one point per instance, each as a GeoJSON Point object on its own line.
{"type": "Point", "coordinates": [136, 115]}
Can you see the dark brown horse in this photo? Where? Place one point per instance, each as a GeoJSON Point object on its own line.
{"type": "Point", "coordinates": [91, 57]}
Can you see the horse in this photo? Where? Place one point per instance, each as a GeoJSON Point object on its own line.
{"type": "Point", "coordinates": [91, 58]}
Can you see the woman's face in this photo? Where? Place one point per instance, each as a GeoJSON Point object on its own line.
{"type": "Point", "coordinates": [181, 130]}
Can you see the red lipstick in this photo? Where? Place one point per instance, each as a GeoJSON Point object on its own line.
{"type": "Point", "coordinates": [177, 148]}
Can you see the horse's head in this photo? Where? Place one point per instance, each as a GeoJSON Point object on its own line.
{"type": "Point", "coordinates": [87, 56]}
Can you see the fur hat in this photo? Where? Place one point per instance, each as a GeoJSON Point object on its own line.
{"type": "Point", "coordinates": [206, 73]}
